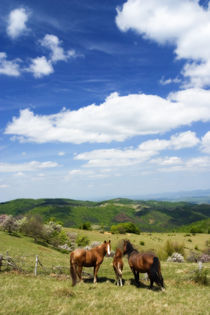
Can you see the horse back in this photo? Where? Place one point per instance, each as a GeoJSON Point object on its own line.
{"type": "Point", "coordinates": [141, 262]}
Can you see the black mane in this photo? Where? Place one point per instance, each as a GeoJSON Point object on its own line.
{"type": "Point", "coordinates": [129, 248]}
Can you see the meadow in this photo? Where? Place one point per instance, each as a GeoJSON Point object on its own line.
{"type": "Point", "coordinates": [50, 292]}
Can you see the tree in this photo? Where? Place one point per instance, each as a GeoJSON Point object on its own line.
{"type": "Point", "coordinates": [34, 227]}
{"type": "Point", "coordinates": [10, 225]}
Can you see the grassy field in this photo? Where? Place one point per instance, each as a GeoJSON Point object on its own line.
{"type": "Point", "coordinates": [51, 292]}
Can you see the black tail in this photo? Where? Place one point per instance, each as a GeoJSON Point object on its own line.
{"type": "Point", "coordinates": [155, 273]}
{"type": "Point", "coordinates": [73, 273]}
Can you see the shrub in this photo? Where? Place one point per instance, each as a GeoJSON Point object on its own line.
{"type": "Point", "coordinates": [193, 257]}
{"type": "Point", "coordinates": [3, 217]}
{"type": "Point", "coordinates": [34, 227]}
{"type": "Point", "coordinates": [196, 247]}
{"type": "Point", "coordinates": [127, 227]}
{"type": "Point", "coordinates": [204, 258]}
{"type": "Point", "coordinates": [86, 226]}
{"type": "Point", "coordinates": [142, 243]}
{"type": "Point", "coordinates": [176, 257]}
{"type": "Point", "coordinates": [119, 228]}
{"type": "Point", "coordinates": [189, 240]}
{"type": "Point", "coordinates": [83, 241]}
{"type": "Point", "coordinates": [200, 276]}
{"type": "Point", "coordinates": [174, 247]}
{"type": "Point", "coordinates": [194, 230]}
{"type": "Point", "coordinates": [10, 225]}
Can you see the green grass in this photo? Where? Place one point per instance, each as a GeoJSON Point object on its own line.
{"type": "Point", "coordinates": [51, 292]}
{"type": "Point", "coordinates": [201, 226]}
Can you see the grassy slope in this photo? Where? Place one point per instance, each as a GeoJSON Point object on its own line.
{"type": "Point", "coordinates": [203, 225]}
{"type": "Point", "coordinates": [47, 294]}
{"type": "Point", "coordinates": [148, 215]}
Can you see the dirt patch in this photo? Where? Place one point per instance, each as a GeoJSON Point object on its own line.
{"type": "Point", "coordinates": [122, 217]}
{"type": "Point", "coordinates": [151, 221]}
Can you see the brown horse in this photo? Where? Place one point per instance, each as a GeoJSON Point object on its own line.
{"type": "Point", "coordinates": [118, 266]}
{"type": "Point", "coordinates": [94, 257]}
{"type": "Point", "coordinates": [144, 263]}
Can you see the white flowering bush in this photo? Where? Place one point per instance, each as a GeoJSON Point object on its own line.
{"type": "Point", "coordinates": [10, 225]}
{"type": "Point", "coordinates": [176, 257]}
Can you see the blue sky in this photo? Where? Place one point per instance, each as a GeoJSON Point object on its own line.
{"type": "Point", "coordinates": [104, 98]}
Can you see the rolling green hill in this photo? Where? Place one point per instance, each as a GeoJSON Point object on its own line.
{"type": "Point", "coordinates": [147, 215]}
{"type": "Point", "coordinates": [198, 226]}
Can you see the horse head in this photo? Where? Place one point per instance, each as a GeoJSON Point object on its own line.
{"type": "Point", "coordinates": [108, 247]}
{"type": "Point", "coordinates": [127, 247]}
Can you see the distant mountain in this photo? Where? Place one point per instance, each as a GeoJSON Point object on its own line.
{"type": "Point", "coordinates": [195, 196]}
{"type": "Point", "coordinates": [150, 215]}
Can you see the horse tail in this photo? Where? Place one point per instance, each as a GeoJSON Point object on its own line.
{"type": "Point", "coordinates": [155, 272]}
{"type": "Point", "coordinates": [73, 271]}
{"type": "Point", "coordinates": [119, 269]}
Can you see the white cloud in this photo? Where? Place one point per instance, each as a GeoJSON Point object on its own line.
{"type": "Point", "coordinates": [168, 161]}
{"type": "Point", "coordinates": [144, 152]}
{"type": "Point", "coordinates": [186, 139]}
{"type": "Point", "coordinates": [205, 143]}
{"type": "Point", "coordinates": [61, 153]}
{"type": "Point", "coordinates": [17, 22]}
{"type": "Point", "coordinates": [169, 81]}
{"type": "Point", "coordinates": [117, 119]}
{"type": "Point", "coordinates": [90, 174]}
{"type": "Point", "coordinates": [40, 67]}
{"type": "Point", "coordinates": [26, 167]}
{"type": "Point", "coordinates": [53, 43]}
{"type": "Point", "coordinates": [183, 23]}
{"type": "Point", "coordinates": [9, 67]}
{"type": "Point", "coordinates": [196, 164]}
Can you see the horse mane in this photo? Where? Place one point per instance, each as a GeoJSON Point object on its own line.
{"type": "Point", "coordinates": [129, 248]}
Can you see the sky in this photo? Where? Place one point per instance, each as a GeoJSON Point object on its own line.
{"type": "Point", "coordinates": [103, 99]}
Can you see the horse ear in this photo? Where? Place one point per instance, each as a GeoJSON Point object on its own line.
{"type": "Point", "coordinates": [104, 242]}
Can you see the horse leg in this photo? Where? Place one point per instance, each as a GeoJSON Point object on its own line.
{"type": "Point", "coordinates": [73, 273]}
{"type": "Point", "coordinates": [95, 273]}
{"type": "Point", "coordinates": [79, 273]}
{"type": "Point", "coordinates": [137, 276]}
{"type": "Point", "coordinates": [120, 281]}
{"type": "Point", "coordinates": [151, 281]}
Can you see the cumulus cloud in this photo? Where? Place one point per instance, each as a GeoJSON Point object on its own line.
{"type": "Point", "coordinates": [17, 22]}
{"type": "Point", "coordinates": [9, 67]}
{"type": "Point", "coordinates": [144, 152]}
{"type": "Point", "coordinates": [168, 161]}
{"type": "Point", "coordinates": [40, 67]}
{"type": "Point", "coordinates": [117, 119]}
{"type": "Point", "coordinates": [200, 163]}
{"type": "Point", "coordinates": [26, 167]}
{"type": "Point", "coordinates": [53, 43]}
{"type": "Point", "coordinates": [183, 23]}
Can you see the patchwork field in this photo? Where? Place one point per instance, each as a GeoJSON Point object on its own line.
{"type": "Point", "coordinates": [51, 292]}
